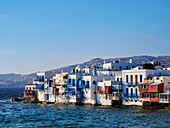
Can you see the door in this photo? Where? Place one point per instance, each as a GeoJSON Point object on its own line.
{"type": "Point", "coordinates": [136, 78]}
{"type": "Point", "coordinates": [131, 79]}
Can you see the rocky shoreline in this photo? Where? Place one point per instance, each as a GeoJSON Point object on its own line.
{"type": "Point", "coordinates": [33, 99]}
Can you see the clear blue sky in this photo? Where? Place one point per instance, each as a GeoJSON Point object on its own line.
{"type": "Point", "coordinates": [38, 35]}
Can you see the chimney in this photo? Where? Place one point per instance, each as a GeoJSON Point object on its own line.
{"type": "Point", "coordinates": [130, 61]}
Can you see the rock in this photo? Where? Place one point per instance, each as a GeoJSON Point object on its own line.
{"type": "Point", "coordinates": [30, 99]}
{"type": "Point", "coordinates": [15, 99]}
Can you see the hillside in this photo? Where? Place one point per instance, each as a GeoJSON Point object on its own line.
{"type": "Point", "coordinates": [19, 80]}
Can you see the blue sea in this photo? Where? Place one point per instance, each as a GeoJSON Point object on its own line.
{"type": "Point", "coordinates": [25, 115]}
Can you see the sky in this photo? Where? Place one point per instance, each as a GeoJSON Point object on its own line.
{"type": "Point", "coordinates": [39, 35]}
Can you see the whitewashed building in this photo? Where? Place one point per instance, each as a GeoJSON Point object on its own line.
{"type": "Point", "coordinates": [60, 84]}
{"type": "Point", "coordinates": [136, 76]}
{"type": "Point", "coordinates": [109, 92]}
{"type": "Point", "coordinates": [118, 66]}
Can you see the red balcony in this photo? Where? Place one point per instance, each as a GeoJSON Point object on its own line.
{"type": "Point", "coordinates": [152, 97]}
{"type": "Point", "coordinates": [99, 92]}
{"type": "Point", "coordinates": [106, 90]}
{"type": "Point", "coordinates": [155, 88]}
{"type": "Point", "coordinates": [56, 91]}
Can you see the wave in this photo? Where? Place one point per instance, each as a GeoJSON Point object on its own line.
{"type": "Point", "coordinates": [5, 101]}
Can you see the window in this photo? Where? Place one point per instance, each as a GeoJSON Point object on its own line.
{"type": "Point", "coordinates": [113, 67]}
{"type": "Point", "coordinates": [65, 77]}
{"type": "Point", "coordinates": [141, 78]}
{"type": "Point", "coordinates": [127, 67]}
{"type": "Point", "coordinates": [87, 83]}
{"type": "Point", "coordinates": [94, 82]}
{"type": "Point", "coordinates": [120, 67]}
{"type": "Point", "coordinates": [154, 86]}
{"type": "Point", "coordinates": [156, 95]}
{"type": "Point", "coordinates": [136, 91]}
{"type": "Point", "coordinates": [136, 78]}
{"type": "Point", "coordinates": [151, 95]}
{"type": "Point", "coordinates": [117, 79]}
{"type": "Point", "coordinates": [109, 97]}
{"type": "Point", "coordinates": [131, 92]}
{"type": "Point", "coordinates": [147, 95]}
{"type": "Point", "coordinates": [127, 91]}
{"type": "Point", "coordinates": [127, 80]}
{"type": "Point", "coordinates": [73, 80]}
{"type": "Point", "coordinates": [69, 80]}
{"type": "Point", "coordinates": [131, 78]}
{"type": "Point", "coordinates": [142, 95]}
{"type": "Point", "coordinates": [83, 82]}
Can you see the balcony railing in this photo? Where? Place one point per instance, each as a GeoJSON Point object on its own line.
{"type": "Point", "coordinates": [70, 84]}
{"type": "Point", "coordinates": [143, 90]}
{"type": "Point", "coordinates": [116, 90]}
{"type": "Point", "coordinates": [39, 87]}
{"type": "Point", "coordinates": [131, 95]}
{"type": "Point", "coordinates": [38, 80]}
{"type": "Point", "coordinates": [70, 93]}
{"type": "Point", "coordinates": [132, 83]}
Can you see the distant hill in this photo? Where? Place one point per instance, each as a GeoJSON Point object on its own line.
{"type": "Point", "coordinates": [19, 80]}
{"type": "Point", "coordinates": [138, 59]}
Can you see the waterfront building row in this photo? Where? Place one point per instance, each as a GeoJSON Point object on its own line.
{"type": "Point", "coordinates": [114, 83]}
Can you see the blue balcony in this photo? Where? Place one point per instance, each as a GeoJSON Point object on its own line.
{"type": "Point", "coordinates": [70, 93]}
{"type": "Point", "coordinates": [116, 90]}
{"type": "Point", "coordinates": [127, 95]}
{"type": "Point", "coordinates": [79, 84]}
{"type": "Point", "coordinates": [39, 79]}
{"type": "Point", "coordinates": [39, 87]}
{"type": "Point", "coordinates": [131, 95]}
{"type": "Point", "coordinates": [87, 84]}
{"type": "Point", "coordinates": [66, 89]}
{"type": "Point", "coordinates": [69, 89]}
{"type": "Point", "coordinates": [135, 95]}
{"type": "Point", "coordinates": [82, 84]}
{"type": "Point", "coordinates": [71, 82]}
{"type": "Point", "coordinates": [132, 83]}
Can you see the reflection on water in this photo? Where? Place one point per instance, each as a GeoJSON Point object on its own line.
{"type": "Point", "coordinates": [37, 115]}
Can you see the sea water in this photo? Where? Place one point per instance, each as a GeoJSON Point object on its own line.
{"type": "Point", "coordinates": [25, 115]}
